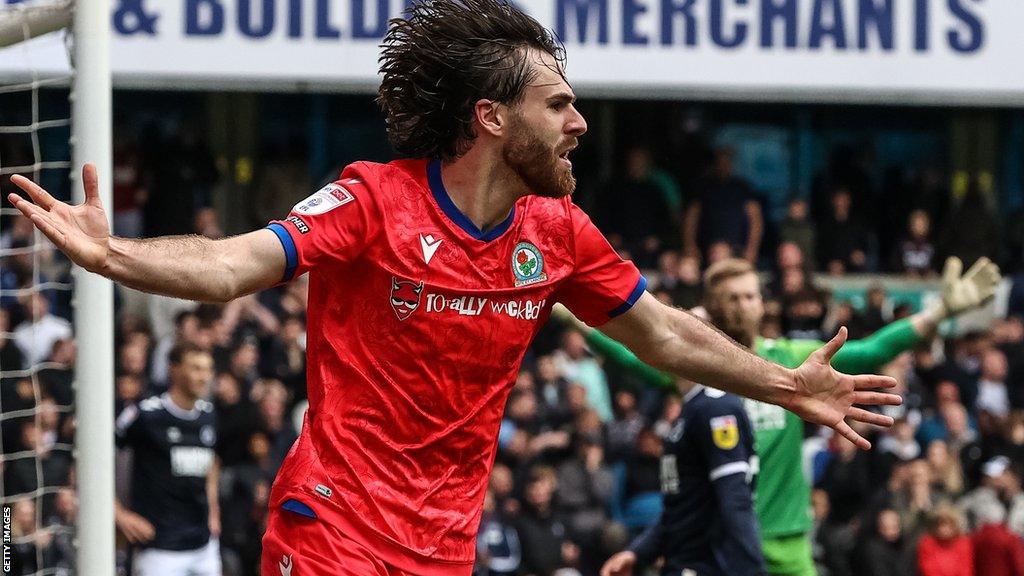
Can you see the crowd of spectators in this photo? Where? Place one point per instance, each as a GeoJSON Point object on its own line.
{"type": "Point", "coordinates": [577, 470]}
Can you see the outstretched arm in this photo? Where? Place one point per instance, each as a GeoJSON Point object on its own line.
{"type": "Point", "coordinates": [192, 267]}
{"type": "Point", "coordinates": [677, 342]}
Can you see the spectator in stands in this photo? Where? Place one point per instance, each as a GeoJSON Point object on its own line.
{"type": "Point", "coordinates": [129, 187]}
{"type": "Point", "coordinates": [552, 393]}
{"type": "Point", "coordinates": [944, 550]}
{"type": "Point", "coordinates": [884, 551]}
{"type": "Point", "coordinates": [578, 365]}
{"type": "Point", "coordinates": [542, 532]}
{"type": "Point", "coordinates": [845, 247]}
{"type": "Point", "coordinates": [33, 549]}
{"type": "Point", "coordinates": [973, 214]}
{"type": "Point", "coordinates": [498, 551]}
{"type": "Point", "coordinates": [61, 525]}
{"type": "Point", "coordinates": [586, 485]}
{"type": "Point", "coordinates": [797, 229]}
{"type": "Point", "coordinates": [641, 206]}
{"type": "Point", "coordinates": [41, 330]}
{"type": "Point", "coordinates": [993, 396]}
{"type": "Point", "coordinates": [947, 478]}
{"type": "Point", "coordinates": [997, 550]}
{"type": "Point", "coordinates": [11, 356]}
{"type": "Point", "coordinates": [725, 210]}
{"type": "Point", "coordinates": [915, 252]}
{"type": "Point", "coordinates": [623, 432]}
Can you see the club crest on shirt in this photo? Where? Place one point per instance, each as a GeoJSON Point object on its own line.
{"type": "Point", "coordinates": [405, 297]}
{"type": "Point", "coordinates": [725, 432]}
{"type": "Point", "coordinates": [527, 264]}
{"type": "Point", "coordinates": [324, 200]}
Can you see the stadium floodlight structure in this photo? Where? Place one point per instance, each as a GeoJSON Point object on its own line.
{"type": "Point", "coordinates": [90, 122]}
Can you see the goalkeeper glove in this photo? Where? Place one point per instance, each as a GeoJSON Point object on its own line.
{"type": "Point", "coordinates": [976, 287]}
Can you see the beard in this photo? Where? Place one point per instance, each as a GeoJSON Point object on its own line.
{"type": "Point", "coordinates": [537, 164]}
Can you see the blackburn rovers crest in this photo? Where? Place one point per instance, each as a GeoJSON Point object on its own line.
{"type": "Point", "coordinates": [527, 264]}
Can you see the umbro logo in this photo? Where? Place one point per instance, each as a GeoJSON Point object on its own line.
{"type": "Point", "coordinates": [429, 245]}
{"type": "Point", "coordinates": [285, 565]}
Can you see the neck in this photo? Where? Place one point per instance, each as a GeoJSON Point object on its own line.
{"type": "Point", "coordinates": [482, 187]}
{"type": "Point", "coordinates": [181, 398]}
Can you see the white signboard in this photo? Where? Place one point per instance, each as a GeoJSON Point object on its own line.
{"type": "Point", "coordinates": [943, 51]}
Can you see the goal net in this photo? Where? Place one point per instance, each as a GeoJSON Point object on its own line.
{"type": "Point", "coordinates": [40, 426]}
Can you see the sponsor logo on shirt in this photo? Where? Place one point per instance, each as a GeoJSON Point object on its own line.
{"type": "Point", "coordinates": [300, 225]}
{"type": "Point", "coordinates": [405, 297]}
{"type": "Point", "coordinates": [324, 200]}
{"type": "Point", "coordinates": [725, 433]}
{"type": "Point", "coordinates": [191, 461]}
{"type": "Point", "coordinates": [527, 264]}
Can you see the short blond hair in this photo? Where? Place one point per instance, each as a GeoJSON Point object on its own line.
{"type": "Point", "coordinates": [725, 270]}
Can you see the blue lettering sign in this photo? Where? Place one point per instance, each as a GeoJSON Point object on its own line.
{"type": "Point", "coordinates": [974, 37]}
{"type": "Point", "coordinates": [582, 10]}
{"type": "Point", "coordinates": [772, 10]}
{"type": "Point", "coordinates": [324, 28]}
{"type": "Point", "coordinates": [295, 18]}
{"type": "Point", "coordinates": [131, 18]}
{"type": "Point", "coordinates": [360, 29]}
{"type": "Point", "coordinates": [204, 17]}
{"type": "Point", "coordinates": [631, 9]}
{"type": "Point", "coordinates": [878, 16]}
{"type": "Point", "coordinates": [670, 9]}
{"type": "Point", "coordinates": [266, 22]}
{"type": "Point", "coordinates": [820, 28]}
{"type": "Point", "coordinates": [718, 35]}
{"type": "Point", "coordinates": [921, 25]}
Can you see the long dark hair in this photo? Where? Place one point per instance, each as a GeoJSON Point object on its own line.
{"type": "Point", "coordinates": [443, 57]}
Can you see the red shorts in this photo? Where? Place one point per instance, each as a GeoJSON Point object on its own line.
{"type": "Point", "coordinates": [297, 545]}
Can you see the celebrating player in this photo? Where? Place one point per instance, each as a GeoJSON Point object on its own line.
{"type": "Point", "coordinates": [428, 278]}
{"type": "Point", "coordinates": [733, 302]}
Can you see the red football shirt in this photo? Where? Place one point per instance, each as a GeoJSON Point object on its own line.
{"type": "Point", "coordinates": [417, 326]}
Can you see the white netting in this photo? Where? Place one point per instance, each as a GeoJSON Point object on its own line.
{"type": "Point", "coordinates": [36, 346]}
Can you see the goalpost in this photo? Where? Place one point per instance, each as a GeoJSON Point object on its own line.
{"type": "Point", "coordinates": [90, 141]}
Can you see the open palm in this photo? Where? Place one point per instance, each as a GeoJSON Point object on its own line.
{"type": "Point", "coordinates": [825, 396]}
{"type": "Point", "coordinates": [81, 232]}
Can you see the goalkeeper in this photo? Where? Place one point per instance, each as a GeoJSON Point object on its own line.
{"type": "Point", "coordinates": [732, 297]}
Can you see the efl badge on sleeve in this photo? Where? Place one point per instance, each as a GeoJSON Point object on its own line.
{"type": "Point", "coordinates": [527, 264]}
{"type": "Point", "coordinates": [725, 433]}
{"type": "Point", "coordinates": [324, 200]}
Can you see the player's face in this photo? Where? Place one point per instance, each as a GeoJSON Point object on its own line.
{"type": "Point", "coordinates": [737, 308]}
{"type": "Point", "coordinates": [196, 373]}
{"type": "Point", "coordinates": [545, 127]}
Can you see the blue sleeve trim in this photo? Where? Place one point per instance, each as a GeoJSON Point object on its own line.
{"type": "Point", "coordinates": [293, 505]}
{"type": "Point", "coordinates": [635, 295]}
{"type": "Point", "coordinates": [291, 253]}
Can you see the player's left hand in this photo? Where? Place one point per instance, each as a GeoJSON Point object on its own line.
{"type": "Point", "coordinates": [977, 286]}
{"type": "Point", "coordinates": [826, 396]}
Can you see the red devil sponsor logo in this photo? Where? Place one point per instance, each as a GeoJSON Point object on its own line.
{"type": "Point", "coordinates": [405, 297]}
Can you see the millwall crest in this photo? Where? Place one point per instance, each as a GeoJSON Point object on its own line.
{"type": "Point", "coordinates": [527, 264]}
{"type": "Point", "coordinates": [725, 432]}
{"type": "Point", "coordinates": [405, 297]}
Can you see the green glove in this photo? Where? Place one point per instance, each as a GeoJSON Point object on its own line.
{"type": "Point", "coordinates": [976, 287]}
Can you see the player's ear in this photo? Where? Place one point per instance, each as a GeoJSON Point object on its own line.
{"type": "Point", "coordinates": [491, 117]}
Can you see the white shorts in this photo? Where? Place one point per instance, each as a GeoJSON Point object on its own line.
{"type": "Point", "coordinates": [203, 561]}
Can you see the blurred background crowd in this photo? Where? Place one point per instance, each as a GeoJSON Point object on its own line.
{"type": "Point", "coordinates": [577, 472]}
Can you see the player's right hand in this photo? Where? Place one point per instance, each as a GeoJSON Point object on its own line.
{"type": "Point", "coordinates": [619, 565]}
{"type": "Point", "coordinates": [81, 232]}
{"type": "Point", "coordinates": [135, 528]}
